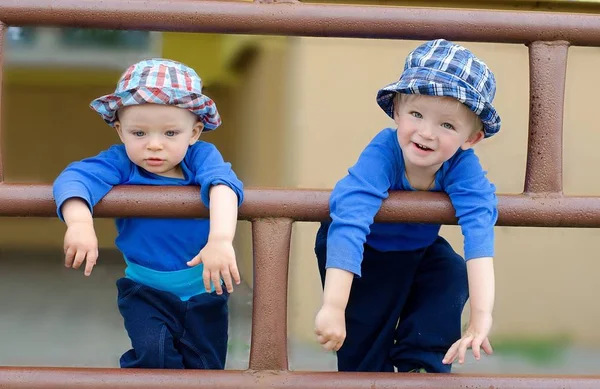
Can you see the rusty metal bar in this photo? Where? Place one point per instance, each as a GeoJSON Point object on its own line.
{"type": "Point", "coordinates": [70, 378]}
{"type": "Point", "coordinates": [547, 73]}
{"type": "Point", "coordinates": [3, 28]}
{"type": "Point", "coordinates": [271, 246]}
{"type": "Point", "coordinates": [308, 20]}
{"type": "Point", "coordinates": [305, 205]}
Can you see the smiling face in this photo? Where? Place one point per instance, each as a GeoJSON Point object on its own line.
{"type": "Point", "coordinates": [157, 137]}
{"type": "Point", "coordinates": [431, 129]}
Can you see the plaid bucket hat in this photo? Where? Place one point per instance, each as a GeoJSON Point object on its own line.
{"type": "Point", "coordinates": [443, 68]}
{"type": "Point", "coordinates": [159, 81]}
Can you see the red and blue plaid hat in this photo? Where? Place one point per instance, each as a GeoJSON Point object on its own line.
{"type": "Point", "coordinates": [443, 68]}
{"type": "Point", "coordinates": [159, 81]}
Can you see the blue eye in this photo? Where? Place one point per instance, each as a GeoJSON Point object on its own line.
{"type": "Point", "coordinates": [417, 115]}
{"type": "Point", "coordinates": [448, 126]}
{"type": "Point", "coordinates": [139, 134]}
{"type": "Point", "coordinates": [170, 133]}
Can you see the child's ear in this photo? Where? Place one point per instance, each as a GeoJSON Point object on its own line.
{"type": "Point", "coordinates": [196, 131]}
{"type": "Point", "coordinates": [473, 140]}
{"type": "Point", "coordinates": [119, 130]}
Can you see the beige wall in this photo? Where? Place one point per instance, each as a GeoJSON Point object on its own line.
{"type": "Point", "coordinates": [259, 119]}
{"type": "Point", "coordinates": [35, 151]}
{"type": "Point", "coordinates": [546, 278]}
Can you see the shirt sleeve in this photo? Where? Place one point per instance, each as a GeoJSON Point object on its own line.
{"type": "Point", "coordinates": [474, 199]}
{"type": "Point", "coordinates": [354, 202]}
{"type": "Point", "coordinates": [210, 169]}
{"type": "Point", "coordinates": [92, 178]}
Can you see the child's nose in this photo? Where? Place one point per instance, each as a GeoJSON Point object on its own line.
{"type": "Point", "coordinates": [154, 144]}
{"type": "Point", "coordinates": [426, 131]}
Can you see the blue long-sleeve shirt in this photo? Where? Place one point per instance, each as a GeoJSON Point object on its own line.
{"type": "Point", "coordinates": [357, 198]}
{"type": "Point", "coordinates": [151, 244]}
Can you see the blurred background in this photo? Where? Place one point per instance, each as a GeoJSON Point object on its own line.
{"type": "Point", "coordinates": [296, 113]}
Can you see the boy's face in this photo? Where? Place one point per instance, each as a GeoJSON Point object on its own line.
{"type": "Point", "coordinates": [157, 137]}
{"type": "Point", "coordinates": [431, 129]}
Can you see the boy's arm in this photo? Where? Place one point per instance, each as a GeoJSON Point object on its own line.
{"type": "Point", "coordinates": [80, 242]}
{"type": "Point", "coordinates": [356, 199]}
{"type": "Point", "coordinates": [481, 291]}
{"type": "Point", "coordinates": [218, 255]}
{"type": "Point", "coordinates": [92, 178]}
{"type": "Point", "coordinates": [474, 200]}
{"type": "Point", "coordinates": [475, 203]}
{"type": "Point", "coordinates": [76, 191]}
{"type": "Point", "coordinates": [223, 213]}
{"type": "Point", "coordinates": [222, 192]}
{"type": "Point", "coordinates": [210, 169]}
{"type": "Point", "coordinates": [354, 202]}
{"type": "Point", "coordinates": [330, 321]}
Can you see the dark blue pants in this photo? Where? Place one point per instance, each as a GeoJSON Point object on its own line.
{"type": "Point", "coordinates": [167, 333]}
{"type": "Point", "coordinates": [404, 311]}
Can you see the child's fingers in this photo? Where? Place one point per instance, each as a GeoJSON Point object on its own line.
{"type": "Point", "coordinates": [216, 280]}
{"type": "Point", "coordinates": [226, 276]}
{"type": "Point", "coordinates": [195, 261]}
{"type": "Point", "coordinates": [69, 256]}
{"type": "Point", "coordinates": [451, 353]}
{"type": "Point", "coordinates": [330, 345]}
{"type": "Point", "coordinates": [338, 346]}
{"type": "Point", "coordinates": [90, 261]}
{"type": "Point", "coordinates": [462, 348]}
{"type": "Point", "coordinates": [487, 347]}
{"type": "Point", "coordinates": [206, 279]}
{"type": "Point", "coordinates": [475, 347]}
{"type": "Point", "coordinates": [79, 257]}
{"type": "Point", "coordinates": [235, 273]}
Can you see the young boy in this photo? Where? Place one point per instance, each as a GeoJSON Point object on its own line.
{"type": "Point", "coordinates": [173, 316]}
{"type": "Point", "coordinates": [394, 292]}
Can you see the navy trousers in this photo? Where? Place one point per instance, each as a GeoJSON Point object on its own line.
{"type": "Point", "coordinates": [405, 310]}
{"type": "Point", "coordinates": [167, 333]}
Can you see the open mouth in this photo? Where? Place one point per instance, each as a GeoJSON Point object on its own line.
{"type": "Point", "coordinates": [422, 147]}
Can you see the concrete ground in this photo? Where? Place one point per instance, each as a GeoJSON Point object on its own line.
{"type": "Point", "coordinates": [53, 316]}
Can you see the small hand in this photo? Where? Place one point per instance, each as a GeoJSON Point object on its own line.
{"type": "Point", "coordinates": [476, 337]}
{"type": "Point", "coordinates": [80, 245]}
{"type": "Point", "coordinates": [330, 327]}
{"type": "Point", "coordinates": [218, 257]}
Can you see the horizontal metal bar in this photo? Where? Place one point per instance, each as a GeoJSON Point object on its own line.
{"type": "Point", "coordinates": [71, 378]}
{"type": "Point", "coordinates": [305, 205]}
{"type": "Point", "coordinates": [308, 20]}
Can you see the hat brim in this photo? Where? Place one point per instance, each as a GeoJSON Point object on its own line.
{"type": "Point", "coordinates": [458, 90]}
{"type": "Point", "coordinates": [200, 105]}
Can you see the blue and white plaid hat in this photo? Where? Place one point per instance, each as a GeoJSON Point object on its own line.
{"type": "Point", "coordinates": [159, 81]}
{"type": "Point", "coordinates": [442, 68]}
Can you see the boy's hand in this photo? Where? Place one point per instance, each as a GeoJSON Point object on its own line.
{"type": "Point", "coordinates": [475, 337]}
{"type": "Point", "coordinates": [218, 257]}
{"type": "Point", "coordinates": [330, 327]}
{"type": "Point", "coordinates": [80, 245]}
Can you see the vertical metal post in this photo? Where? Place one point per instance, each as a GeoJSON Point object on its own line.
{"type": "Point", "coordinates": [271, 246]}
{"type": "Point", "coordinates": [547, 72]}
{"type": "Point", "coordinates": [3, 28]}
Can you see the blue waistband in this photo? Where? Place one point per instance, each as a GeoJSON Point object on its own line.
{"type": "Point", "coordinates": [185, 283]}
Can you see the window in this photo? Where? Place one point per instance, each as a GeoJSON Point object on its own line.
{"type": "Point", "coordinates": [78, 47]}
